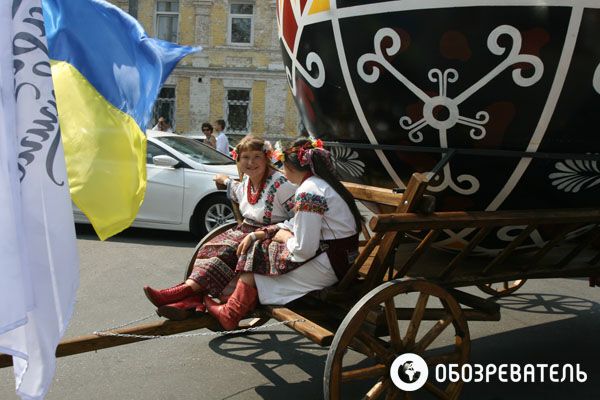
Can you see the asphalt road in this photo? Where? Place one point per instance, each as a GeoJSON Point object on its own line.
{"type": "Point", "coordinates": [548, 321]}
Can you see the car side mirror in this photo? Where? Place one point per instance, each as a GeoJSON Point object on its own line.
{"type": "Point", "coordinates": [165, 161]}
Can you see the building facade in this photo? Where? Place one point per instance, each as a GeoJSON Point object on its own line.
{"type": "Point", "coordinates": [239, 74]}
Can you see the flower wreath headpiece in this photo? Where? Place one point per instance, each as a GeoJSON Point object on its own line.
{"type": "Point", "coordinates": [267, 149]}
{"type": "Point", "coordinates": [304, 153]}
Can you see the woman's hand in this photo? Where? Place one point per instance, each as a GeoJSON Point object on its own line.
{"type": "Point", "coordinates": [282, 236]}
{"type": "Point", "coordinates": [247, 242]}
{"type": "Point", "coordinates": [244, 245]}
{"type": "Point", "coordinates": [220, 179]}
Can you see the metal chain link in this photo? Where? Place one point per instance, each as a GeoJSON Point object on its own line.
{"type": "Point", "coordinates": [108, 331]}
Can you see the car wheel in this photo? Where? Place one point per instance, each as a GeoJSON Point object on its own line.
{"type": "Point", "coordinates": [211, 213]}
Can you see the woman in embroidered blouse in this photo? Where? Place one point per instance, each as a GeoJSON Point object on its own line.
{"type": "Point", "coordinates": [264, 196]}
{"type": "Point", "coordinates": [313, 250]}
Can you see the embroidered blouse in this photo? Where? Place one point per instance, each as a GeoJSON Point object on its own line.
{"type": "Point", "coordinates": [275, 204]}
{"type": "Point", "coordinates": [321, 214]}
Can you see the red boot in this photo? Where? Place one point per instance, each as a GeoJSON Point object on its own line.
{"type": "Point", "coordinates": [242, 301]}
{"type": "Point", "coordinates": [183, 309]}
{"type": "Point", "coordinates": [168, 296]}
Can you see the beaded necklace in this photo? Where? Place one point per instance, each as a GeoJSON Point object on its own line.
{"type": "Point", "coordinates": [253, 197]}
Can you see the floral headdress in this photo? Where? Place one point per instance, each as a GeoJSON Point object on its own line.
{"type": "Point", "coordinates": [267, 149]}
{"type": "Point", "coordinates": [304, 153]}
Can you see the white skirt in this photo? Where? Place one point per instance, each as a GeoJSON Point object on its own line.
{"type": "Point", "coordinates": [314, 275]}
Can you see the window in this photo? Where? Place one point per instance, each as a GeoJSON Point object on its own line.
{"type": "Point", "coordinates": [164, 106]}
{"type": "Point", "coordinates": [241, 16]}
{"type": "Point", "coordinates": [167, 18]}
{"type": "Point", "coordinates": [196, 151]}
{"type": "Point", "coordinates": [238, 110]}
{"type": "Point", "coordinates": [153, 150]}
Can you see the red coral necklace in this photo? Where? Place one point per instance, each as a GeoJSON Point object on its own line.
{"type": "Point", "coordinates": [254, 196]}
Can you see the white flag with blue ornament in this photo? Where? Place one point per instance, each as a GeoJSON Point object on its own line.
{"type": "Point", "coordinates": [39, 271]}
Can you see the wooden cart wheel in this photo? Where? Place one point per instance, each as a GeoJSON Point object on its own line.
{"type": "Point", "coordinates": [359, 359]}
{"type": "Point", "coordinates": [500, 289]}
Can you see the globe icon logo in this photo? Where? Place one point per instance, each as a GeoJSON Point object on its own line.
{"type": "Point", "coordinates": [409, 372]}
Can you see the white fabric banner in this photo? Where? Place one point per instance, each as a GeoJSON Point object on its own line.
{"type": "Point", "coordinates": [39, 271]}
{"type": "Point", "coordinates": [12, 309]}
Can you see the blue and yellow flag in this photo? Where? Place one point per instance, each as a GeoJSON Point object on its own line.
{"type": "Point", "coordinates": [107, 74]}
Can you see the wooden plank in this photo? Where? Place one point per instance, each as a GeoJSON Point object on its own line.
{"type": "Point", "coordinates": [479, 236]}
{"type": "Point", "coordinates": [365, 253]}
{"type": "Point", "coordinates": [595, 260]}
{"type": "Point", "coordinates": [478, 303]}
{"type": "Point", "coordinates": [537, 257]}
{"type": "Point", "coordinates": [374, 194]}
{"type": "Point", "coordinates": [572, 270]}
{"type": "Point", "coordinates": [417, 253]}
{"type": "Point", "coordinates": [374, 371]}
{"type": "Point", "coordinates": [307, 328]}
{"type": "Point", "coordinates": [434, 314]}
{"type": "Point", "coordinates": [83, 344]}
{"type": "Point", "coordinates": [589, 239]}
{"type": "Point", "coordinates": [365, 232]}
{"type": "Point", "coordinates": [471, 219]}
{"type": "Point", "coordinates": [508, 250]}
{"type": "Point", "coordinates": [414, 191]}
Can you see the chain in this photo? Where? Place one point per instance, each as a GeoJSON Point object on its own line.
{"type": "Point", "coordinates": [135, 321]}
{"type": "Point", "coordinates": [108, 331]}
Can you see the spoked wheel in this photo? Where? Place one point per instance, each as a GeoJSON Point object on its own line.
{"type": "Point", "coordinates": [391, 320]}
{"type": "Point", "coordinates": [500, 289]}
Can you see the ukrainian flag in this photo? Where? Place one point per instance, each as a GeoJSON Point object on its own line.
{"type": "Point", "coordinates": [107, 74]}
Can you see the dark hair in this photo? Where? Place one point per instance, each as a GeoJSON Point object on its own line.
{"type": "Point", "coordinates": [207, 125]}
{"type": "Point", "coordinates": [221, 122]}
{"type": "Point", "coordinates": [322, 169]}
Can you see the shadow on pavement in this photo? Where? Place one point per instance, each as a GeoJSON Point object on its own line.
{"type": "Point", "coordinates": [571, 340]}
{"type": "Point", "coordinates": [544, 303]}
{"type": "Point", "coordinates": [141, 235]}
{"type": "Point", "coordinates": [278, 351]}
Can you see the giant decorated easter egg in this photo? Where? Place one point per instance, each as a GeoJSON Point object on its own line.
{"type": "Point", "coordinates": [521, 76]}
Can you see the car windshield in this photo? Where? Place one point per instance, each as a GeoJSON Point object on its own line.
{"type": "Point", "coordinates": [196, 151]}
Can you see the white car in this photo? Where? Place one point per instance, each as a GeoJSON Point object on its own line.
{"type": "Point", "coordinates": [181, 194]}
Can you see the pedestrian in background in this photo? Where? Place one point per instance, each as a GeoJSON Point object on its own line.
{"type": "Point", "coordinates": [210, 139]}
{"type": "Point", "coordinates": [162, 125]}
{"type": "Point", "coordinates": [222, 141]}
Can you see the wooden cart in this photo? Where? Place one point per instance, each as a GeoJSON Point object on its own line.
{"type": "Point", "coordinates": [402, 296]}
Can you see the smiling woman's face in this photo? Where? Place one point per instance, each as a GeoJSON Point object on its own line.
{"type": "Point", "coordinates": [253, 163]}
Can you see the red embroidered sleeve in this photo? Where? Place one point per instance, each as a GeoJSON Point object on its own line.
{"type": "Point", "coordinates": [309, 202]}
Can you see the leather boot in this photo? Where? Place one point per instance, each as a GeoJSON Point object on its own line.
{"type": "Point", "coordinates": [242, 301]}
{"type": "Point", "coordinates": [183, 309]}
{"type": "Point", "coordinates": [168, 296]}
